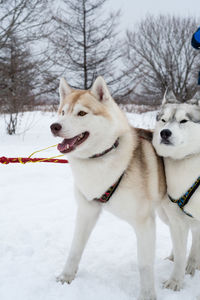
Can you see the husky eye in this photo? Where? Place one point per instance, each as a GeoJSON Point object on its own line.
{"type": "Point", "coordinates": [183, 121]}
{"type": "Point", "coordinates": [81, 113]}
{"type": "Point", "coordinates": [163, 120]}
{"type": "Point", "coordinates": [63, 112]}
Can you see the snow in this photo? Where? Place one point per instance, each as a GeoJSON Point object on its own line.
{"type": "Point", "coordinates": [37, 219]}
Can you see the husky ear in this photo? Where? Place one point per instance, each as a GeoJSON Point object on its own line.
{"type": "Point", "coordinates": [196, 95]}
{"type": "Point", "coordinates": [195, 100]}
{"type": "Point", "coordinates": [169, 97]}
{"type": "Point", "coordinates": [100, 89]}
{"type": "Point", "coordinates": [64, 89]}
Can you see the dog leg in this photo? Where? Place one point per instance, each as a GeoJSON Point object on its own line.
{"type": "Point", "coordinates": [87, 216]}
{"type": "Point", "coordinates": [145, 232]}
{"type": "Point", "coordinates": [163, 216]}
{"type": "Point", "coordinates": [171, 256]}
{"type": "Point", "coordinates": [193, 262]}
{"type": "Point", "coordinates": [179, 233]}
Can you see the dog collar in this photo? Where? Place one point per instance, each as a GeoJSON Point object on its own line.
{"type": "Point", "coordinates": [108, 194]}
{"type": "Point", "coordinates": [183, 200]}
{"type": "Point", "coordinates": [115, 145]}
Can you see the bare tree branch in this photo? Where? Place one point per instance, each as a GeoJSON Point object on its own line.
{"type": "Point", "coordinates": [85, 43]}
{"type": "Point", "coordinates": [159, 52]}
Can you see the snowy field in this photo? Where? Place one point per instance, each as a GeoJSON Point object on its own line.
{"type": "Point", "coordinates": [37, 217]}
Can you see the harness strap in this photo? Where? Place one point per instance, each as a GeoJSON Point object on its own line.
{"type": "Point", "coordinates": [108, 194]}
{"type": "Point", "coordinates": [183, 200]}
{"type": "Point", "coordinates": [115, 145]}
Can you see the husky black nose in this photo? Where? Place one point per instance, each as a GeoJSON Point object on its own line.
{"type": "Point", "coordinates": [165, 134]}
{"type": "Point", "coordinates": [55, 128]}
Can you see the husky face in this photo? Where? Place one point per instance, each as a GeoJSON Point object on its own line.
{"type": "Point", "coordinates": [85, 119]}
{"type": "Point", "coordinates": [177, 132]}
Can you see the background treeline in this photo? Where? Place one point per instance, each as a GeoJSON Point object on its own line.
{"type": "Point", "coordinates": [42, 40]}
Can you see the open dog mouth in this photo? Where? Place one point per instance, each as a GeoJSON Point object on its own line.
{"type": "Point", "coordinates": [69, 145]}
{"type": "Point", "coordinates": [165, 142]}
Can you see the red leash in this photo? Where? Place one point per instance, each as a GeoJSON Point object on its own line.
{"type": "Point", "coordinates": [23, 160]}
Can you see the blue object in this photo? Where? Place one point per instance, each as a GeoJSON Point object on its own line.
{"type": "Point", "coordinates": [199, 79]}
{"type": "Point", "coordinates": [183, 200]}
{"type": "Point", "coordinates": [196, 39]}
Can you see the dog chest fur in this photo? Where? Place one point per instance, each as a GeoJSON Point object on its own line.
{"type": "Point", "coordinates": [140, 190]}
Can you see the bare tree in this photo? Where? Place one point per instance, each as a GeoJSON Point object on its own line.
{"type": "Point", "coordinates": [84, 42]}
{"type": "Point", "coordinates": [17, 74]}
{"type": "Point", "coordinates": [159, 56]}
{"type": "Point", "coordinates": [23, 18]}
{"type": "Point", "coordinates": [23, 70]}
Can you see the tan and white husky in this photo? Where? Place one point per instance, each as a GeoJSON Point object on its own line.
{"type": "Point", "coordinates": [105, 152]}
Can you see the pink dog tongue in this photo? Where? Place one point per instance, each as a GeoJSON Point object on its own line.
{"type": "Point", "coordinates": [67, 144]}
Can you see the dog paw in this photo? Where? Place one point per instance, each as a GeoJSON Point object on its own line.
{"type": "Point", "coordinates": [66, 277]}
{"type": "Point", "coordinates": [147, 296]}
{"type": "Point", "coordinates": [170, 257]}
{"type": "Point", "coordinates": [192, 266]}
{"type": "Point", "coordinates": [173, 284]}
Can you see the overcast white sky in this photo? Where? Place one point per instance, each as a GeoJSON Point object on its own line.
{"type": "Point", "coordinates": [134, 10]}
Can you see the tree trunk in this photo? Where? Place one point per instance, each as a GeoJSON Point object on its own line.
{"type": "Point", "coordinates": [84, 47]}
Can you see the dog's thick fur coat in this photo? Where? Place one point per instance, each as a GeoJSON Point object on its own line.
{"type": "Point", "coordinates": [177, 139]}
{"type": "Point", "coordinates": [95, 116]}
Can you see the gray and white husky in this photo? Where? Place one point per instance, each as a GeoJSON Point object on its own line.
{"type": "Point", "coordinates": [177, 139]}
{"type": "Point", "coordinates": [104, 150]}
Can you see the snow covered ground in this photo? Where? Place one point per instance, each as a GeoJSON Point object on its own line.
{"type": "Point", "coordinates": [37, 216]}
